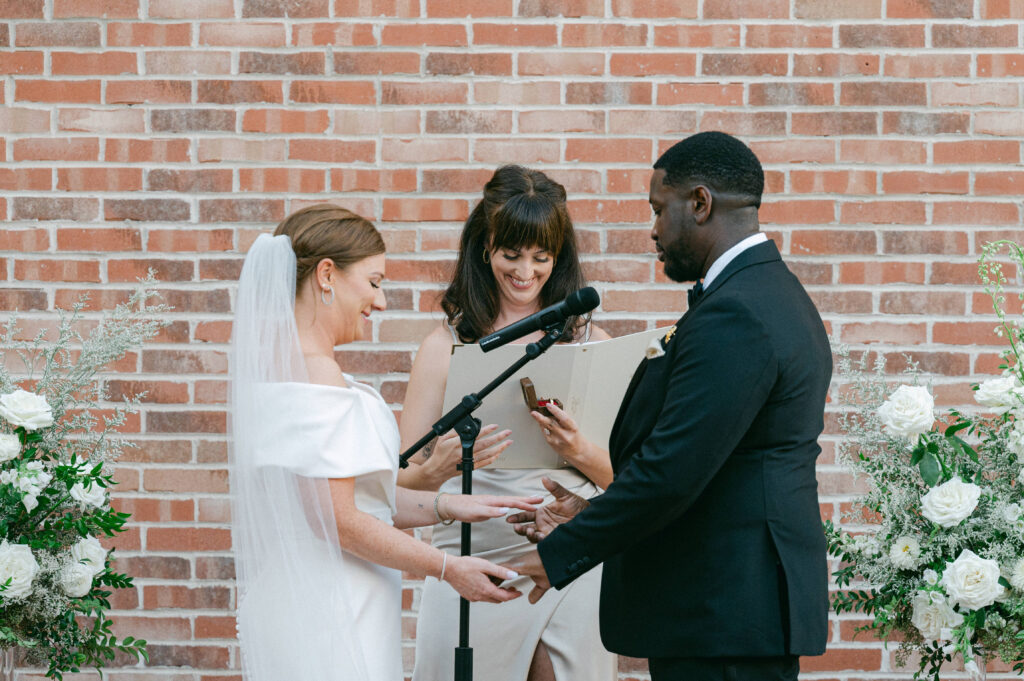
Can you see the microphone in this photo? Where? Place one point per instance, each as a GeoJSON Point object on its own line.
{"type": "Point", "coordinates": [576, 303]}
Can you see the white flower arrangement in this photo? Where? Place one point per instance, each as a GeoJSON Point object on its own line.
{"type": "Point", "coordinates": [944, 566]}
{"type": "Point", "coordinates": [55, 457]}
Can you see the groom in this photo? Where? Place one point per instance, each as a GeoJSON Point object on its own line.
{"type": "Point", "coordinates": [710, 534]}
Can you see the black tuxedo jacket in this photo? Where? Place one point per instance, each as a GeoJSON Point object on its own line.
{"type": "Point", "coordinates": [711, 533]}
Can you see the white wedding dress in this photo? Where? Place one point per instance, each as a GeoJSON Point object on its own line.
{"type": "Point", "coordinates": [306, 609]}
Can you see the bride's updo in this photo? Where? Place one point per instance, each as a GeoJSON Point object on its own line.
{"type": "Point", "coordinates": [329, 231]}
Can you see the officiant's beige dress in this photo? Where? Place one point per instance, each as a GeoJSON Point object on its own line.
{"type": "Point", "coordinates": [505, 635]}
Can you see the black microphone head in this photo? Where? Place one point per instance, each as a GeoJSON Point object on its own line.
{"type": "Point", "coordinates": [582, 301]}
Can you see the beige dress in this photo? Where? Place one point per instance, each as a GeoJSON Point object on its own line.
{"type": "Point", "coordinates": [504, 636]}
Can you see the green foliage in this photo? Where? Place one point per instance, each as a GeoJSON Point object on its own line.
{"type": "Point", "coordinates": [889, 552]}
{"type": "Point", "coordinates": [73, 457]}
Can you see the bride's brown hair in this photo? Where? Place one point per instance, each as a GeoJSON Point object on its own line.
{"type": "Point", "coordinates": [329, 231]}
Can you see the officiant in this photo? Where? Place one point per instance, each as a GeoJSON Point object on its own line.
{"type": "Point", "coordinates": [517, 255]}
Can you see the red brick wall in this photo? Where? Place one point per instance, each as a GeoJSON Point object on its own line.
{"type": "Point", "coordinates": [169, 133]}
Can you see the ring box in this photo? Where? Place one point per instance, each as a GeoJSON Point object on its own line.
{"type": "Point", "coordinates": [534, 404]}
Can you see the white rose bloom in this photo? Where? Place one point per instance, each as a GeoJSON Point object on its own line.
{"type": "Point", "coordinates": [972, 582]}
{"type": "Point", "coordinates": [1016, 576]}
{"type": "Point", "coordinates": [30, 501]}
{"type": "Point", "coordinates": [90, 553]}
{"type": "Point", "coordinates": [94, 495]}
{"type": "Point", "coordinates": [905, 553]}
{"type": "Point", "coordinates": [25, 409]}
{"type": "Point", "coordinates": [999, 394]}
{"type": "Point", "coordinates": [1015, 440]}
{"type": "Point", "coordinates": [933, 616]}
{"type": "Point", "coordinates": [950, 502]}
{"type": "Point", "coordinates": [18, 565]}
{"type": "Point", "coordinates": [10, 446]}
{"type": "Point", "coordinates": [931, 577]}
{"type": "Point", "coordinates": [76, 579]}
{"type": "Point", "coordinates": [909, 411]}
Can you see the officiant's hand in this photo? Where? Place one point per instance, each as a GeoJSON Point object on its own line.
{"type": "Point", "coordinates": [446, 453]}
{"type": "Point", "coordinates": [535, 525]}
{"type": "Point", "coordinates": [529, 564]}
{"type": "Point", "coordinates": [477, 579]}
{"type": "Point", "coordinates": [562, 433]}
{"type": "Point", "coordinates": [472, 508]}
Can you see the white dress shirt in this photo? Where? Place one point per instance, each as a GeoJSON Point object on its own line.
{"type": "Point", "coordinates": [718, 265]}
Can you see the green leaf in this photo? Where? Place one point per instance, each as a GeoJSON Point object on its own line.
{"type": "Point", "coordinates": [962, 446]}
{"type": "Point", "coordinates": [930, 469]}
{"type": "Point", "coordinates": [956, 428]}
{"type": "Point", "coordinates": [918, 454]}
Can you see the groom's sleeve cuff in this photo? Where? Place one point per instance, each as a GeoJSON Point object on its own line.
{"type": "Point", "coordinates": [561, 562]}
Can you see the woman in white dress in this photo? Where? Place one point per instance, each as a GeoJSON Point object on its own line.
{"type": "Point", "coordinates": [517, 255]}
{"type": "Point", "coordinates": [315, 510]}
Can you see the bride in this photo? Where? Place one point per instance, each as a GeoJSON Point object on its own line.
{"type": "Point", "coordinates": [316, 516]}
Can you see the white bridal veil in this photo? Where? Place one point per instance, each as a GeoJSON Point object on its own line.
{"type": "Point", "coordinates": [293, 605]}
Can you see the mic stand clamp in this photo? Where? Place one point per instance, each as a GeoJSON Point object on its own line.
{"type": "Point", "coordinates": [461, 419]}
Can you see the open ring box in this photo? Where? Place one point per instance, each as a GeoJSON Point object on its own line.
{"type": "Point", "coordinates": [534, 404]}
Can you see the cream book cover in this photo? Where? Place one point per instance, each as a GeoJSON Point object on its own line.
{"type": "Point", "coordinates": [589, 379]}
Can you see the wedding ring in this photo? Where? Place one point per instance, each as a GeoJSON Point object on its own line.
{"type": "Point", "coordinates": [547, 431]}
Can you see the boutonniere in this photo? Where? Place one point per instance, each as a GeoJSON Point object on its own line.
{"type": "Point", "coordinates": [656, 348]}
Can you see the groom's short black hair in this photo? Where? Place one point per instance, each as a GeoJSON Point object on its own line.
{"type": "Point", "coordinates": [716, 159]}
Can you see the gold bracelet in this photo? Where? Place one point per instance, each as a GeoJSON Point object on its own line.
{"type": "Point", "coordinates": [437, 513]}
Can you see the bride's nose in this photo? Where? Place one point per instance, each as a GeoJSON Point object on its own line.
{"type": "Point", "coordinates": [380, 301]}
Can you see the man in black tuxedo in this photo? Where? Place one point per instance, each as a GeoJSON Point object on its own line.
{"type": "Point", "coordinates": [710, 533]}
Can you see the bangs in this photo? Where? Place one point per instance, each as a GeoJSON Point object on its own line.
{"type": "Point", "coordinates": [527, 221]}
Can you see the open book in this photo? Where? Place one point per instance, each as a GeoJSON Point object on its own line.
{"type": "Point", "coordinates": [589, 380]}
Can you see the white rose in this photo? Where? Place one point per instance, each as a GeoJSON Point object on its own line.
{"type": "Point", "coordinates": [931, 577]}
{"type": "Point", "coordinates": [905, 553]}
{"type": "Point", "coordinates": [94, 495]}
{"type": "Point", "coordinates": [933, 616]}
{"type": "Point", "coordinates": [25, 409]}
{"type": "Point", "coordinates": [90, 553]}
{"type": "Point", "coordinates": [18, 565]}
{"type": "Point", "coordinates": [76, 579]}
{"type": "Point", "coordinates": [30, 502]}
{"type": "Point", "coordinates": [950, 502]}
{"type": "Point", "coordinates": [1016, 577]}
{"type": "Point", "coordinates": [972, 582]}
{"type": "Point", "coordinates": [10, 446]}
{"type": "Point", "coordinates": [999, 394]}
{"type": "Point", "coordinates": [909, 411]}
{"type": "Point", "coordinates": [1015, 441]}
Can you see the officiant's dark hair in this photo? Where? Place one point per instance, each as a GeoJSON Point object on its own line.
{"type": "Point", "coordinates": [521, 208]}
{"type": "Point", "coordinates": [717, 159]}
{"type": "Point", "coordinates": [329, 231]}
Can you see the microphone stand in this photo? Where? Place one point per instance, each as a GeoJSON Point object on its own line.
{"type": "Point", "coordinates": [461, 419]}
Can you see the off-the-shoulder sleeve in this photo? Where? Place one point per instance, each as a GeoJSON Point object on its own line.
{"type": "Point", "coordinates": [321, 431]}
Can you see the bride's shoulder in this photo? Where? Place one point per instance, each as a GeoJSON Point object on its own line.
{"type": "Point", "coordinates": [325, 371]}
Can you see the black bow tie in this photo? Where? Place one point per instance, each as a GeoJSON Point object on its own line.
{"type": "Point", "coordinates": [694, 294]}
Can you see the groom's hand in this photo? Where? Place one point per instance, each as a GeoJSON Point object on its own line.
{"type": "Point", "coordinates": [530, 565]}
{"type": "Point", "coordinates": [535, 525]}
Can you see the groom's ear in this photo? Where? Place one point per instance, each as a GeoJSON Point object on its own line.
{"type": "Point", "coordinates": [700, 203]}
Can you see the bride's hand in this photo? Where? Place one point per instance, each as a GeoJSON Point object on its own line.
{"type": "Point", "coordinates": [476, 579]}
{"type": "Point", "coordinates": [446, 454]}
{"type": "Point", "coordinates": [472, 508]}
